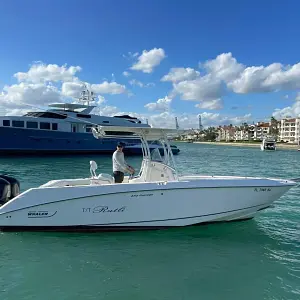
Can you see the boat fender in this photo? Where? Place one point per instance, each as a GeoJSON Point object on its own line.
{"type": "Point", "coordinates": [14, 185]}
{"type": "Point", "coordinates": [5, 191]}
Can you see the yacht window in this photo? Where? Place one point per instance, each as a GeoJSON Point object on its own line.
{"type": "Point", "coordinates": [105, 122]}
{"type": "Point", "coordinates": [83, 116]}
{"type": "Point", "coordinates": [44, 125]}
{"type": "Point", "coordinates": [18, 123]}
{"type": "Point", "coordinates": [54, 126]}
{"type": "Point", "coordinates": [88, 128]}
{"type": "Point", "coordinates": [6, 123]}
{"type": "Point", "coordinates": [47, 114]}
{"type": "Point", "coordinates": [32, 124]}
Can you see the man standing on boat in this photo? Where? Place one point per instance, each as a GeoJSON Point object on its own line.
{"type": "Point", "coordinates": [119, 164]}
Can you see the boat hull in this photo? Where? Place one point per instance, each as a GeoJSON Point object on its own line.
{"type": "Point", "coordinates": [123, 207]}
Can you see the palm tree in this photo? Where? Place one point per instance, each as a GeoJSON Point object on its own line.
{"type": "Point", "coordinates": [274, 127]}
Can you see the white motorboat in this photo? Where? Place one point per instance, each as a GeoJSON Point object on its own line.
{"type": "Point", "coordinates": [268, 143]}
{"type": "Point", "coordinates": [157, 197]}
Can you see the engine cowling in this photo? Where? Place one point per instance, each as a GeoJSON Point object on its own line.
{"type": "Point", "coordinates": [14, 185]}
{"type": "Point", "coordinates": [5, 191]}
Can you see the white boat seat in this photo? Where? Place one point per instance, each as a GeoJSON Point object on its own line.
{"type": "Point", "coordinates": [106, 177]}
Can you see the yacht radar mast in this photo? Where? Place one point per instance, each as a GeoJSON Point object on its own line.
{"type": "Point", "coordinates": [87, 96]}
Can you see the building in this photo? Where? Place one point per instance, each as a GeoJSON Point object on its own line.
{"type": "Point", "coordinates": [262, 130]}
{"type": "Point", "coordinates": [226, 133]}
{"type": "Point", "coordinates": [289, 130]}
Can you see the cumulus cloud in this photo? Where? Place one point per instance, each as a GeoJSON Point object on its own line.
{"type": "Point", "coordinates": [148, 60]}
{"type": "Point", "coordinates": [289, 111]}
{"type": "Point", "coordinates": [40, 72]}
{"type": "Point", "coordinates": [20, 95]}
{"type": "Point", "coordinates": [45, 84]}
{"type": "Point", "coordinates": [212, 104]}
{"type": "Point", "coordinates": [206, 88]}
{"type": "Point", "coordinates": [162, 104]}
{"type": "Point", "coordinates": [224, 67]}
{"type": "Point", "coordinates": [106, 87]}
{"type": "Point", "coordinates": [180, 74]}
{"type": "Point", "coordinates": [72, 89]}
{"type": "Point", "coordinates": [225, 74]}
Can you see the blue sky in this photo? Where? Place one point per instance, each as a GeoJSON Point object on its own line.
{"type": "Point", "coordinates": [98, 36]}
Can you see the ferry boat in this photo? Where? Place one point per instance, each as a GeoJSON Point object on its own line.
{"type": "Point", "coordinates": [63, 128]}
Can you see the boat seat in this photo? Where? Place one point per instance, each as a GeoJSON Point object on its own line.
{"type": "Point", "coordinates": [106, 177]}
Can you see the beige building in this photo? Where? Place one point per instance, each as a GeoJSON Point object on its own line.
{"type": "Point", "coordinates": [289, 130]}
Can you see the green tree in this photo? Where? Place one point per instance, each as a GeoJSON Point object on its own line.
{"type": "Point", "coordinates": [210, 134]}
{"type": "Point", "coordinates": [274, 127]}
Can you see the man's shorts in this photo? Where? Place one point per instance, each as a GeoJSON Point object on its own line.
{"type": "Point", "coordinates": [119, 176]}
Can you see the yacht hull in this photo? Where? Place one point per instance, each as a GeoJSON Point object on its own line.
{"type": "Point", "coordinates": [17, 141]}
{"type": "Point", "coordinates": [141, 206]}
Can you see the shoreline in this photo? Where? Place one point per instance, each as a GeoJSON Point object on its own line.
{"type": "Point", "coordinates": [257, 145]}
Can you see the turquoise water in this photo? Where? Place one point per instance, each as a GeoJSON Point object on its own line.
{"type": "Point", "coordinates": [256, 259]}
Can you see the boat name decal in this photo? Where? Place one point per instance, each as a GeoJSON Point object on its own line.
{"type": "Point", "coordinates": [40, 214]}
{"type": "Point", "coordinates": [262, 190]}
{"type": "Point", "coordinates": [141, 195]}
{"type": "Point", "coordinates": [103, 209]}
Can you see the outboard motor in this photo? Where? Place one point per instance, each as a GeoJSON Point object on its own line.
{"type": "Point", "coordinates": [5, 192]}
{"type": "Point", "coordinates": [14, 186]}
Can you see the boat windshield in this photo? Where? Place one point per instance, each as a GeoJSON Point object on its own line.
{"type": "Point", "coordinates": [156, 156]}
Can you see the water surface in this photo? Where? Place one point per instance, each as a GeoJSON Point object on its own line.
{"type": "Point", "coordinates": [257, 259]}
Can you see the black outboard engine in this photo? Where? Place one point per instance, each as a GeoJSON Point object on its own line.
{"type": "Point", "coordinates": [9, 188]}
{"type": "Point", "coordinates": [5, 192]}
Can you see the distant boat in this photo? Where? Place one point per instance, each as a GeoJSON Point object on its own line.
{"type": "Point", "coordinates": [268, 143]}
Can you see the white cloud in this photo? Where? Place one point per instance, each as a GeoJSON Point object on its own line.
{"type": "Point", "coordinates": [271, 78]}
{"type": "Point", "coordinates": [289, 111]}
{"type": "Point", "coordinates": [225, 74]}
{"type": "Point", "coordinates": [101, 100]}
{"type": "Point", "coordinates": [126, 74]}
{"type": "Point", "coordinates": [212, 104]}
{"type": "Point", "coordinates": [40, 72]}
{"type": "Point", "coordinates": [105, 110]}
{"type": "Point", "coordinates": [224, 67]}
{"type": "Point", "coordinates": [140, 84]}
{"type": "Point", "coordinates": [72, 89]}
{"type": "Point", "coordinates": [23, 94]}
{"type": "Point", "coordinates": [148, 60]}
{"type": "Point", "coordinates": [162, 104]}
{"type": "Point", "coordinates": [108, 88]}
{"type": "Point", "coordinates": [206, 88]}
{"type": "Point", "coordinates": [180, 74]}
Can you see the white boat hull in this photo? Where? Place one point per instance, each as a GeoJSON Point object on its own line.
{"type": "Point", "coordinates": [190, 201]}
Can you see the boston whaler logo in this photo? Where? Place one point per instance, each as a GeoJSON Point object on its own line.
{"type": "Point", "coordinates": [103, 209]}
{"type": "Point", "coordinates": [40, 214]}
